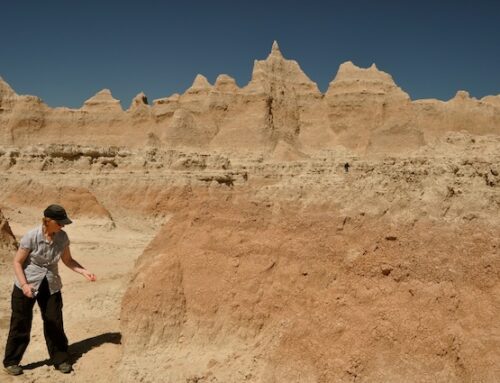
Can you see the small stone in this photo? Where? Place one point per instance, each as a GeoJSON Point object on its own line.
{"type": "Point", "coordinates": [386, 269]}
{"type": "Point", "coordinates": [212, 363]}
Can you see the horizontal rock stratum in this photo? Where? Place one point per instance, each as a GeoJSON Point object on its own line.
{"type": "Point", "coordinates": [362, 110]}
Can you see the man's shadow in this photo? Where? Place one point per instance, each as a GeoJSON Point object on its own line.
{"type": "Point", "coordinates": [78, 349]}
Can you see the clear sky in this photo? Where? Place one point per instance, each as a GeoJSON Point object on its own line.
{"type": "Point", "coordinates": [66, 51]}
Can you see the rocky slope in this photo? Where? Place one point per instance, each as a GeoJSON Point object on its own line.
{"type": "Point", "coordinates": [236, 290]}
{"type": "Point", "coordinates": [309, 273]}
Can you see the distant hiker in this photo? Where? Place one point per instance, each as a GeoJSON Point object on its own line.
{"type": "Point", "coordinates": [346, 167]}
{"type": "Point", "coordinates": [37, 279]}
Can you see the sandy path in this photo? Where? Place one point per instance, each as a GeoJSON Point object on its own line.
{"type": "Point", "coordinates": [91, 310]}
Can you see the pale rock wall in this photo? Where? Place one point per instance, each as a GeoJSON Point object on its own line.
{"type": "Point", "coordinates": [20, 116]}
{"type": "Point", "coordinates": [492, 100]}
{"type": "Point", "coordinates": [363, 110]}
{"type": "Point", "coordinates": [8, 243]}
{"type": "Point", "coordinates": [461, 113]}
{"type": "Point", "coordinates": [139, 111]}
{"type": "Point", "coordinates": [365, 105]}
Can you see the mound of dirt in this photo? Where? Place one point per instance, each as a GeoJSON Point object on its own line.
{"type": "Point", "coordinates": [237, 289]}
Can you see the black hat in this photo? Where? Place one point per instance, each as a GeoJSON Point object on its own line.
{"type": "Point", "coordinates": [57, 213]}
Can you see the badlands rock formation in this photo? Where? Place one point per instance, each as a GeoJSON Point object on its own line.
{"type": "Point", "coordinates": [309, 273]}
{"type": "Point", "coordinates": [362, 110]}
{"type": "Point", "coordinates": [7, 240]}
{"type": "Point", "coordinates": [351, 236]}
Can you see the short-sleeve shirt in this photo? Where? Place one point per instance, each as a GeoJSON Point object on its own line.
{"type": "Point", "coordinates": [42, 261]}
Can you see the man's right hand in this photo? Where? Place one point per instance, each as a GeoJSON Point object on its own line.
{"type": "Point", "coordinates": [28, 290]}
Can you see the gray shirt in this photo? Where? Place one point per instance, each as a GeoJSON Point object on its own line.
{"type": "Point", "coordinates": [43, 258]}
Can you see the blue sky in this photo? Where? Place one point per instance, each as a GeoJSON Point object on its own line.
{"type": "Point", "coordinates": [66, 51]}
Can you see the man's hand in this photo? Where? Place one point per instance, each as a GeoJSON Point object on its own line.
{"type": "Point", "coordinates": [28, 290]}
{"type": "Point", "coordinates": [90, 276]}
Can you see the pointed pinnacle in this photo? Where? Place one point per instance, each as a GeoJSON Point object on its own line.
{"type": "Point", "coordinates": [275, 48]}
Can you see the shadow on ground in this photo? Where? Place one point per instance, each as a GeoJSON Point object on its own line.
{"type": "Point", "coordinates": [78, 349]}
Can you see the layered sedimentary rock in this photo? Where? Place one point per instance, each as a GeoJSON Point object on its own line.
{"type": "Point", "coordinates": [8, 242]}
{"type": "Point", "coordinates": [139, 109]}
{"type": "Point", "coordinates": [368, 110]}
{"type": "Point", "coordinates": [21, 117]}
{"type": "Point", "coordinates": [103, 101]}
{"type": "Point", "coordinates": [385, 272]}
{"type": "Point", "coordinates": [461, 113]}
{"type": "Point", "coordinates": [275, 106]}
{"type": "Point", "coordinates": [362, 110]}
{"type": "Point", "coordinates": [332, 268]}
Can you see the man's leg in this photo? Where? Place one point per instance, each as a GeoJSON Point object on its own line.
{"type": "Point", "coordinates": [20, 327]}
{"type": "Point", "coordinates": [53, 328]}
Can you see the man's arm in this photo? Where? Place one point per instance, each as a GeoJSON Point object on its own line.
{"type": "Point", "coordinates": [70, 262]}
{"type": "Point", "coordinates": [18, 262]}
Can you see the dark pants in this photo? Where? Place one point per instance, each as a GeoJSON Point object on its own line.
{"type": "Point", "coordinates": [20, 325]}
